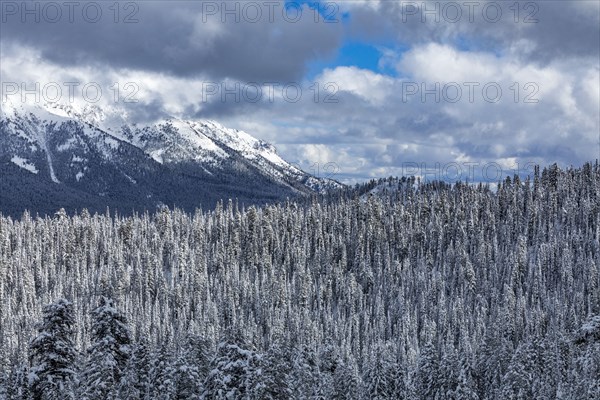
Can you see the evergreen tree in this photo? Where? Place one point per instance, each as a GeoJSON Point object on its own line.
{"type": "Point", "coordinates": [235, 372]}
{"type": "Point", "coordinates": [108, 355]}
{"type": "Point", "coordinates": [187, 370]}
{"type": "Point", "coordinates": [586, 384]}
{"type": "Point", "coordinates": [53, 373]}
{"type": "Point", "coordinates": [276, 368]}
{"type": "Point", "coordinates": [18, 386]}
{"type": "Point", "coordinates": [427, 376]}
{"type": "Point", "coordinates": [135, 384]}
{"type": "Point", "coordinates": [162, 374]}
{"type": "Point", "coordinates": [304, 377]}
{"type": "Point", "coordinates": [518, 382]}
{"type": "Point", "coordinates": [347, 384]}
{"type": "Point", "coordinates": [379, 381]}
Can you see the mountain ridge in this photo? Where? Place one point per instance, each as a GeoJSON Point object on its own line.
{"type": "Point", "coordinates": [100, 155]}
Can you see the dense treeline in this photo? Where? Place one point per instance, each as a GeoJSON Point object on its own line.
{"type": "Point", "coordinates": [424, 291]}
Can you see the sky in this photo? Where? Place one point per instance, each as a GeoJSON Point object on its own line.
{"type": "Point", "coordinates": [354, 90]}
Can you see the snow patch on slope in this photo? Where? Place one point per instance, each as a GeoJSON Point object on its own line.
{"type": "Point", "coordinates": [157, 155]}
{"type": "Point", "coordinates": [24, 163]}
{"type": "Point", "coordinates": [41, 140]}
{"type": "Point", "coordinates": [68, 144]}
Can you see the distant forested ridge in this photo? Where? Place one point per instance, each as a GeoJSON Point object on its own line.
{"type": "Point", "coordinates": [423, 291]}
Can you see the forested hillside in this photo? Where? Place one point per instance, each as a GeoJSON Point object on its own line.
{"type": "Point", "coordinates": [427, 291]}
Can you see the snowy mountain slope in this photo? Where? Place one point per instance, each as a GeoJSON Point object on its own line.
{"type": "Point", "coordinates": [173, 141]}
{"type": "Point", "coordinates": [173, 161]}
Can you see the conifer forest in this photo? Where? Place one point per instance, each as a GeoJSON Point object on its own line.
{"type": "Point", "coordinates": [418, 291]}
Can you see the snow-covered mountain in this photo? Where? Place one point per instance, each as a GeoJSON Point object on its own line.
{"type": "Point", "coordinates": [56, 156]}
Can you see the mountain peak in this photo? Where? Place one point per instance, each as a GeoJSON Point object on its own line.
{"type": "Point", "coordinates": [100, 153]}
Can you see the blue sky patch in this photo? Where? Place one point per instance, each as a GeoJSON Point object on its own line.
{"type": "Point", "coordinates": [353, 54]}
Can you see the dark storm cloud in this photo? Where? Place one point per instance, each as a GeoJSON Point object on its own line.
{"type": "Point", "coordinates": [176, 38]}
{"type": "Point", "coordinates": [566, 30]}
{"type": "Point", "coordinates": [555, 29]}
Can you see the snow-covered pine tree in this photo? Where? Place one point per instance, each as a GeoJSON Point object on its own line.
{"type": "Point", "coordinates": [427, 376]}
{"type": "Point", "coordinates": [304, 377]}
{"type": "Point", "coordinates": [135, 384]}
{"type": "Point", "coordinates": [586, 384]}
{"type": "Point", "coordinates": [188, 381]}
{"type": "Point", "coordinates": [379, 375]}
{"type": "Point", "coordinates": [53, 373]}
{"type": "Point", "coordinates": [276, 367]}
{"type": "Point", "coordinates": [162, 373]}
{"type": "Point", "coordinates": [347, 384]}
{"type": "Point", "coordinates": [18, 385]}
{"type": "Point", "coordinates": [518, 382]}
{"type": "Point", "coordinates": [108, 355]}
{"type": "Point", "coordinates": [235, 371]}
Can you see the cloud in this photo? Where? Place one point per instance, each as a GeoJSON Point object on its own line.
{"type": "Point", "coordinates": [370, 86]}
{"type": "Point", "coordinates": [377, 124]}
{"type": "Point", "coordinates": [539, 32]}
{"type": "Point", "coordinates": [180, 38]}
{"type": "Point", "coordinates": [380, 130]}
